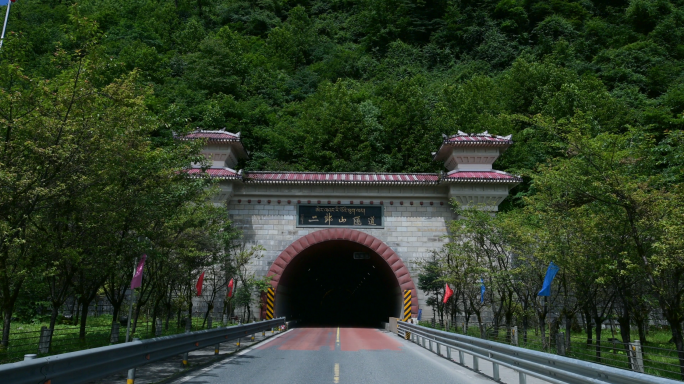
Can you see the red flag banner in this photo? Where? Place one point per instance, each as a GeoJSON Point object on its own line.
{"type": "Point", "coordinates": [199, 284]}
{"type": "Point", "coordinates": [137, 275]}
{"type": "Point", "coordinates": [231, 283]}
{"type": "Point", "coordinates": [447, 294]}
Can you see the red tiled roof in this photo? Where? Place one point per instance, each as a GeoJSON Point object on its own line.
{"type": "Point", "coordinates": [487, 176]}
{"type": "Point", "coordinates": [347, 177]}
{"type": "Point", "coordinates": [212, 136]}
{"type": "Point", "coordinates": [356, 178]}
{"type": "Point", "coordinates": [219, 173]}
{"type": "Point", "coordinates": [457, 139]}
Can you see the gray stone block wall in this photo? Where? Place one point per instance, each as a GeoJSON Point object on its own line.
{"type": "Point", "coordinates": [412, 231]}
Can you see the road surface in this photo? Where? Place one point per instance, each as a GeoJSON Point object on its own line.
{"type": "Point", "coordinates": [336, 355]}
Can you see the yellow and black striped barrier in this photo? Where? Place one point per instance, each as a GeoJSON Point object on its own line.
{"type": "Point", "coordinates": [407, 305]}
{"type": "Point", "coordinates": [270, 303]}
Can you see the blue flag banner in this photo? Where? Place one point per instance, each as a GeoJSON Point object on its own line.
{"type": "Point", "coordinates": [420, 313]}
{"type": "Point", "coordinates": [3, 2]}
{"type": "Point", "coordinates": [482, 290]}
{"type": "Point", "coordinates": [550, 274]}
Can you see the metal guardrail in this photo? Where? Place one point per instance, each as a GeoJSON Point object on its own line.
{"type": "Point", "coordinates": [91, 364]}
{"type": "Point", "coordinates": [548, 367]}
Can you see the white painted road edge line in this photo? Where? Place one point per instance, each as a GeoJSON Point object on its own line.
{"type": "Point", "coordinates": [216, 365]}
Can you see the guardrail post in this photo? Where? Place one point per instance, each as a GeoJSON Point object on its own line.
{"type": "Point", "coordinates": [430, 344]}
{"type": "Point", "coordinates": [522, 378]}
{"type": "Point", "coordinates": [130, 379]}
{"type": "Point", "coordinates": [461, 358]}
{"type": "Point", "coordinates": [439, 351]}
{"type": "Point", "coordinates": [252, 337]}
{"type": "Point", "coordinates": [476, 363]}
{"type": "Point", "coordinates": [514, 336]}
{"type": "Point", "coordinates": [217, 348]}
{"type": "Point", "coordinates": [158, 327]}
{"type": "Point", "coordinates": [238, 343]}
{"type": "Point", "coordinates": [636, 359]}
{"type": "Point", "coordinates": [44, 341]}
{"type": "Point", "coordinates": [495, 370]}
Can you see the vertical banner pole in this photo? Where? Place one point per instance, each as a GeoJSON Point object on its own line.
{"type": "Point", "coordinates": [130, 308]}
{"type": "Point", "coordinates": [4, 24]}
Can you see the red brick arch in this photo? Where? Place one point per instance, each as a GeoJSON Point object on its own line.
{"type": "Point", "coordinates": [376, 245]}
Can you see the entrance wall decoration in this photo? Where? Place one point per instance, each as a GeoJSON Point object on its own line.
{"type": "Point", "coordinates": [383, 250]}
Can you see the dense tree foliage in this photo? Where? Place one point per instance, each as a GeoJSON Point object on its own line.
{"type": "Point", "coordinates": [592, 91]}
{"type": "Point", "coordinates": [366, 85]}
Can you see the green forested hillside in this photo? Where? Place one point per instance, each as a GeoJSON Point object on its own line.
{"type": "Point", "coordinates": [370, 85]}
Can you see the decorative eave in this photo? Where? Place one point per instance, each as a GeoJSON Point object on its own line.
{"type": "Point", "coordinates": [218, 137]}
{"type": "Point", "coordinates": [347, 178]}
{"type": "Point", "coordinates": [212, 136]}
{"type": "Point", "coordinates": [464, 140]}
{"type": "Point", "coordinates": [481, 177]}
{"type": "Point", "coordinates": [215, 173]}
{"type": "Point", "coordinates": [356, 178]}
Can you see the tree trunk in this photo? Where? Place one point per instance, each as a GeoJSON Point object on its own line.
{"type": "Point", "coordinates": [84, 318]}
{"type": "Point", "coordinates": [625, 329]}
{"type": "Point", "coordinates": [76, 316]}
{"type": "Point", "coordinates": [677, 337]}
{"type": "Point", "coordinates": [115, 318]}
{"type": "Point", "coordinates": [588, 327]}
{"type": "Point", "coordinates": [598, 338]}
{"type": "Point", "coordinates": [641, 327]}
{"type": "Point", "coordinates": [53, 321]}
{"type": "Point", "coordinates": [6, 324]}
{"type": "Point", "coordinates": [568, 330]}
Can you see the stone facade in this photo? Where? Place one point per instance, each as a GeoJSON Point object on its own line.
{"type": "Point", "coordinates": [417, 213]}
{"type": "Point", "coordinates": [412, 230]}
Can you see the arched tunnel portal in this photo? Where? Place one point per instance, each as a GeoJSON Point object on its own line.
{"type": "Point", "coordinates": [340, 277]}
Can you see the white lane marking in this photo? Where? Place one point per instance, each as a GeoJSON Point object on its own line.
{"type": "Point", "coordinates": [216, 365]}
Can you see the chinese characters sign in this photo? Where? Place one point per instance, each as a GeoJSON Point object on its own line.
{"type": "Point", "coordinates": [365, 216]}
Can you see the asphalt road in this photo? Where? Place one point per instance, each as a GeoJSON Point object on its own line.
{"type": "Point", "coordinates": [335, 355]}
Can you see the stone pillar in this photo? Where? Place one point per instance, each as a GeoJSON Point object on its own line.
{"type": "Point", "coordinates": [514, 336]}
{"type": "Point", "coordinates": [44, 341]}
{"type": "Point", "coordinates": [636, 359]}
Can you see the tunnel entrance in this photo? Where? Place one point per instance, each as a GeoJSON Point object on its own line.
{"type": "Point", "coordinates": [325, 284]}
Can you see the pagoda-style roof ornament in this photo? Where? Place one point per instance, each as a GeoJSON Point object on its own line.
{"type": "Point", "coordinates": [222, 148]}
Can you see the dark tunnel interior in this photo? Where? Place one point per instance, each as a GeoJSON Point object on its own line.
{"type": "Point", "coordinates": [326, 286]}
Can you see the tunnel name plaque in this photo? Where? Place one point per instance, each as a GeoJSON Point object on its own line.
{"type": "Point", "coordinates": [327, 215]}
